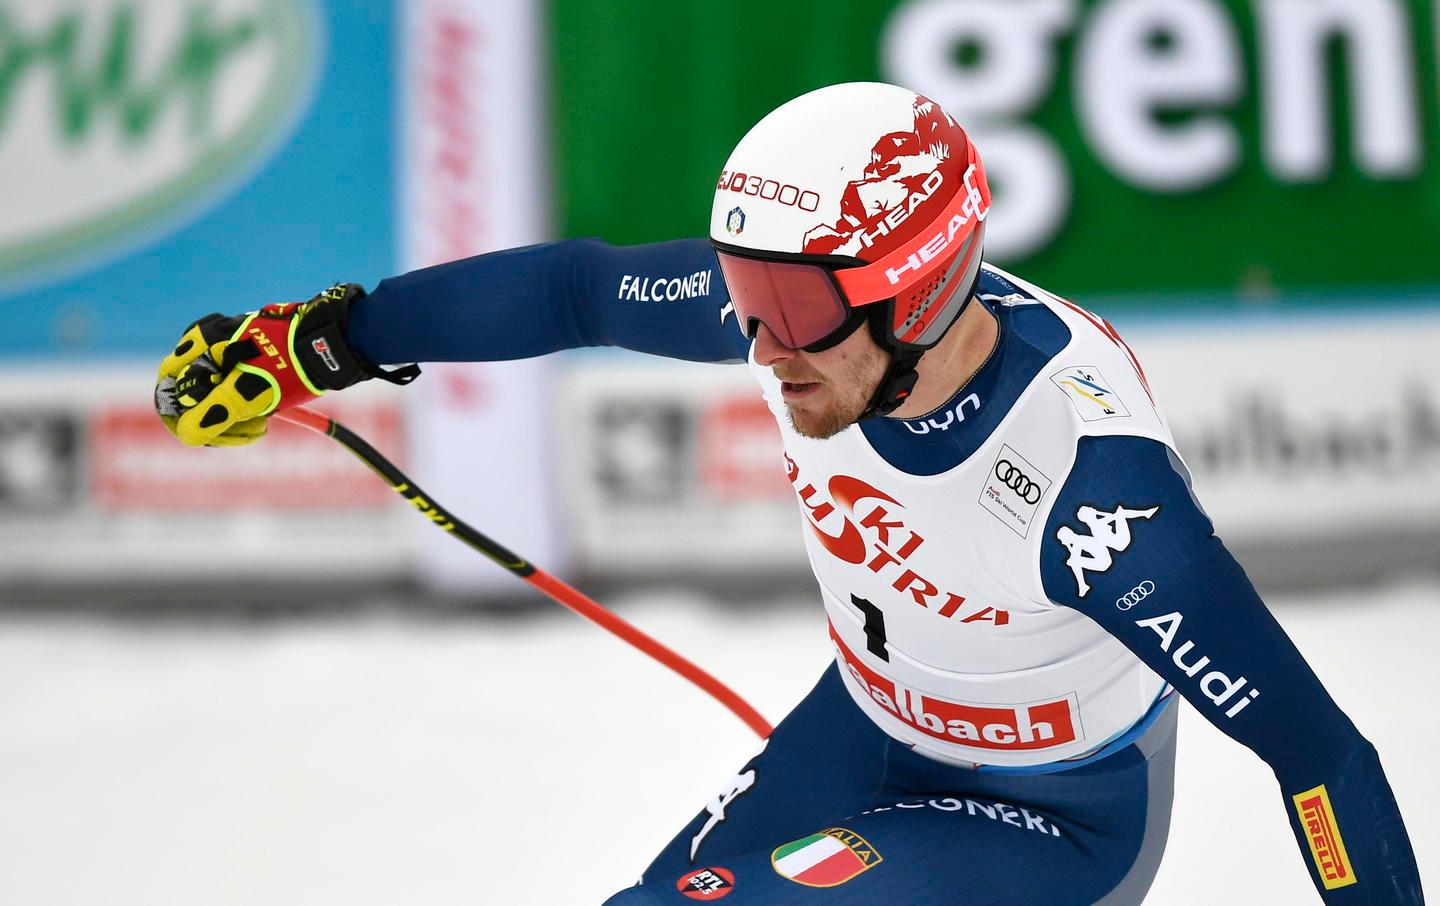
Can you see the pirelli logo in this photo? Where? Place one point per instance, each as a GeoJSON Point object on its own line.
{"type": "Point", "coordinates": [1327, 847]}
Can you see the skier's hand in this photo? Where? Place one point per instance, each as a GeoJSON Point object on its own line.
{"type": "Point", "coordinates": [228, 375]}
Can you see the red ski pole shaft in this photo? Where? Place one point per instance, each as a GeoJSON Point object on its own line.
{"type": "Point", "coordinates": [554, 588]}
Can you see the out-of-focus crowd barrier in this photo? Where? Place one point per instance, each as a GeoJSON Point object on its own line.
{"type": "Point", "coordinates": [1301, 433]}
{"type": "Point", "coordinates": [1299, 430]}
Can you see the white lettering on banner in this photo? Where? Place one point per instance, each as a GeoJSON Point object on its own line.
{"type": "Point", "coordinates": [1215, 685]}
{"type": "Point", "coordinates": [1125, 78]}
{"type": "Point", "coordinates": [1261, 434]}
{"type": "Point", "coordinates": [664, 289]}
{"type": "Point", "coordinates": [1297, 36]}
{"type": "Point", "coordinates": [992, 95]}
{"type": "Point", "coordinates": [1122, 75]}
{"type": "Point", "coordinates": [716, 807]}
{"type": "Point", "coordinates": [1108, 532]}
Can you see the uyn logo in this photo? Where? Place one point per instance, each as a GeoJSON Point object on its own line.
{"type": "Point", "coordinates": [120, 116]}
{"type": "Point", "coordinates": [953, 416]}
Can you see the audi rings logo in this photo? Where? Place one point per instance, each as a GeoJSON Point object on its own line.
{"type": "Point", "coordinates": [1135, 595]}
{"type": "Point", "coordinates": [1017, 481]}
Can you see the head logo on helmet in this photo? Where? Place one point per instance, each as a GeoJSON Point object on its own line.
{"type": "Point", "coordinates": [900, 218]}
{"type": "Point", "coordinates": [906, 174]}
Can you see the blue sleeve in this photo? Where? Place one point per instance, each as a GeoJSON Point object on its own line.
{"type": "Point", "coordinates": [665, 299]}
{"type": "Point", "coordinates": [1128, 545]}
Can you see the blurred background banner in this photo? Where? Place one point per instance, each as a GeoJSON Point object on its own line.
{"type": "Point", "coordinates": [160, 161]}
{"type": "Point", "coordinates": [1210, 148]}
{"type": "Point", "coordinates": [1249, 190]}
{"type": "Point", "coordinates": [474, 178]}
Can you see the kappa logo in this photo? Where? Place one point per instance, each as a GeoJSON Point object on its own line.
{"type": "Point", "coordinates": [1109, 534]}
{"type": "Point", "coordinates": [737, 786]}
{"type": "Point", "coordinates": [708, 884]}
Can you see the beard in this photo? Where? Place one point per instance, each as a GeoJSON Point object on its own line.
{"type": "Point", "coordinates": [837, 403]}
{"type": "Point", "coordinates": [825, 423]}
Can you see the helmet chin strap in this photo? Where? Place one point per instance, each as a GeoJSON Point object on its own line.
{"type": "Point", "coordinates": [898, 381]}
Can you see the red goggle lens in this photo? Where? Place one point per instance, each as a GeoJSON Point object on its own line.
{"type": "Point", "coordinates": [799, 303]}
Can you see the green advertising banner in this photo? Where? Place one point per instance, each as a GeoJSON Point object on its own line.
{"type": "Point", "coordinates": [1207, 148]}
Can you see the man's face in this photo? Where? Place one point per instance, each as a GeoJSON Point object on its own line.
{"type": "Point", "coordinates": [824, 392]}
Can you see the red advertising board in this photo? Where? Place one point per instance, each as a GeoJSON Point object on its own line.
{"type": "Point", "coordinates": [135, 465]}
{"type": "Point", "coordinates": [738, 452]}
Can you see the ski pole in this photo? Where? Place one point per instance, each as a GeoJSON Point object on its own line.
{"type": "Point", "coordinates": [557, 590]}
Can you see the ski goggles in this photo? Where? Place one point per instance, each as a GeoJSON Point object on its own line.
{"type": "Point", "coordinates": [812, 302]}
{"type": "Point", "coordinates": [800, 299]}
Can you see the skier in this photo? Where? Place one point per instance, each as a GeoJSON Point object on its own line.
{"type": "Point", "coordinates": [1017, 575]}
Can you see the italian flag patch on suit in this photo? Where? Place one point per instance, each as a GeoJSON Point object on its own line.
{"type": "Point", "coordinates": [826, 859]}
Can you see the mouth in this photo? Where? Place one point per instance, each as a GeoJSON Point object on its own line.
{"type": "Point", "coordinates": [797, 389]}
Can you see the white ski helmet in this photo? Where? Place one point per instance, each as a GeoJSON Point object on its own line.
{"type": "Point", "coordinates": [855, 202]}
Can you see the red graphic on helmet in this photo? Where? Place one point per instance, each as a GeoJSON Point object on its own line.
{"type": "Point", "coordinates": [905, 187]}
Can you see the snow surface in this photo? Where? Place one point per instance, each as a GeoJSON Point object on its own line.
{"type": "Point", "coordinates": [383, 760]}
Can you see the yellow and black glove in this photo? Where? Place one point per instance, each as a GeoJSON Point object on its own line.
{"type": "Point", "coordinates": [228, 375]}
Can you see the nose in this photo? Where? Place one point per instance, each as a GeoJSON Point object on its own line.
{"type": "Point", "coordinates": [768, 350]}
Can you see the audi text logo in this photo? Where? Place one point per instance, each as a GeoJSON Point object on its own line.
{"type": "Point", "coordinates": [1135, 595]}
{"type": "Point", "coordinates": [1017, 481]}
